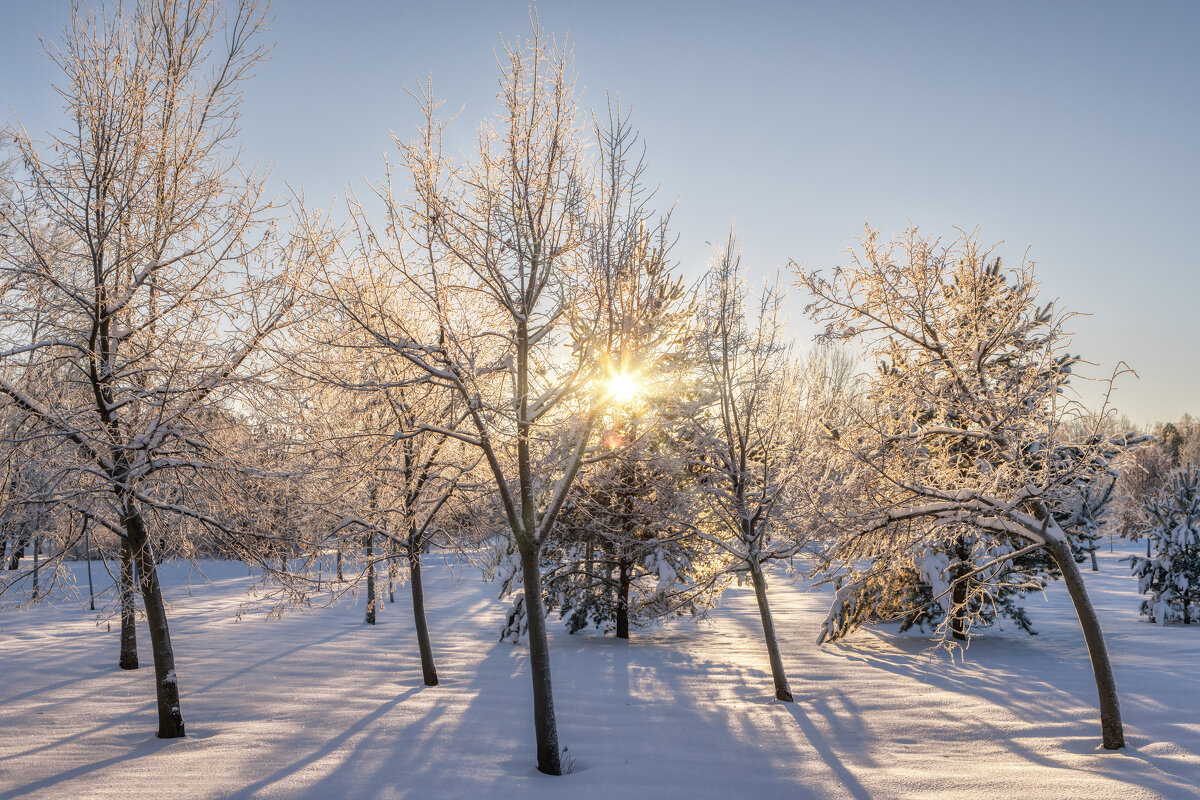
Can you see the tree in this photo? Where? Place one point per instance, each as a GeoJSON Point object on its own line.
{"type": "Point", "coordinates": [154, 270]}
{"type": "Point", "coordinates": [748, 447]}
{"type": "Point", "coordinates": [391, 442]}
{"type": "Point", "coordinates": [964, 432]}
{"type": "Point", "coordinates": [1171, 575]}
{"type": "Point", "coordinates": [492, 255]}
{"type": "Point", "coordinates": [622, 547]}
{"type": "Point", "coordinates": [624, 552]}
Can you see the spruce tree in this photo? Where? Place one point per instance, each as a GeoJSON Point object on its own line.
{"type": "Point", "coordinates": [1171, 575]}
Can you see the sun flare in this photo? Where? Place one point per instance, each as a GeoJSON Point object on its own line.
{"type": "Point", "coordinates": [624, 387]}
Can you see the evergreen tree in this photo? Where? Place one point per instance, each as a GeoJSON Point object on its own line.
{"type": "Point", "coordinates": [624, 551]}
{"type": "Point", "coordinates": [1171, 575]}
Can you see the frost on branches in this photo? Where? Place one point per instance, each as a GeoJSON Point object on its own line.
{"type": "Point", "coordinates": [1171, 575]}
{"type": "Point", "coordinates": [969, 462]}
{"type": "Point", "coordinates": [623, 553]}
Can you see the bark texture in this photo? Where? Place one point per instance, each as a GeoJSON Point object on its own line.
{"type": "Point", "coordinates": [170, 718]}
{"type": "Point", "coordinates": [369, 548]}
{"type": "Point", "coordinates": [129, 655]}
{"type": "Point", "coordinates": [782, 690]}
{"type": "Point", "coordinates": [545, 726]}
{"type": "Point", "coordinates": [418, 598]}
{"type": "Point", "coordinates": [1111, 728]}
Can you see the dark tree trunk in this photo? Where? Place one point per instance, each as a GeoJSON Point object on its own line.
{"type": "Point", "coordinates": [958, 595]}
{"type": "Point", "coordinates": [129, 654]}
{"type": "Point", "coordinates": [544, 723]}
{"type": "Point", "coordinates": [1112, 731]}
{"type": "Point", "coordinates": [782, 690]}
{"type": "Point", "coordinates": [170, 718]}
{"type": "Point", "coordinates": [339, 561]}
{"type": "Point", "coordinates": [418, 598]}
{"type": "Point", "coordinates": [623, 599]}
{"type": "Point", "coordinates": [17, 552]}
{"type": "Point", "coordinates": [369, 547]}
{"type": "Point", "coordinates": [87, 546]}
{"type": "Point", "coordinates": [393, 571]}
{"type": "Point", "coordinates": [36, 568]}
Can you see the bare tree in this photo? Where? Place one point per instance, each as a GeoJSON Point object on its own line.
{"type": "Point", "coordinates": [382, 433]}
{"type": "Point", "coordinates": [155, 268]}
{"type": "Point", "coordinates": [965, 430]}
{"type": "Point", "coordinates": [626, 524]}
{"type": "Point", "coordinates": [493, 256]}
{"type": "Point", "coordinates": [749, 446]}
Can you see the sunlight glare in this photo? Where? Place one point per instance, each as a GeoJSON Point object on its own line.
{"type": "Point", "coordinates": [623, 387]}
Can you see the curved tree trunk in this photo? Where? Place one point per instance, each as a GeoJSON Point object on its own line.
{"type": "Point", "coordinates": [1112, 731]}
{"type": "Point", "coordinates": [170, 719]}
{"type": "Point", "coordinates": [782, 690]}
{"type": "Point", "coordinates": [545, 726]}
{"type": "Point", "coordinates": [418, 598]}
{"type": "Point", "coordinates": [129, 655]}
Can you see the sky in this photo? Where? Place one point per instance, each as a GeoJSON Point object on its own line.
{"type": "Point", "coordinates": [1065, 131]}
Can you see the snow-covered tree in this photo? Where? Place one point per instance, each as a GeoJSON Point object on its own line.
{"type": "Point", "coordinates": [961, 463]}
{"type": "Point", "coordinates": [747, 447]}
{"type": "Point", "coordinates": [492, 254]}
{"type": "Point", "coordinates": [622, 549]}
{"type": "Point", "coordinates": [1171, 573]}
{"type": "Point", "coordinates": [625, 552]}
{"type": "Point", "coordinates": [154, 270]}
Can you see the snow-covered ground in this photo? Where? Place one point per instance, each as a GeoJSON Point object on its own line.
{"type": "Point", "coordinates": [322, 706]}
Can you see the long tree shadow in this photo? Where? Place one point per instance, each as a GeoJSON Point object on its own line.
{"type": "Point", "coordinates": [330, 746]}
{"type": "Point", "coordinates": [148, 707]}
{"type": "Point", "coordinates": [145, 748]}
{"type": "Point", "coordinates": [1003, 671]}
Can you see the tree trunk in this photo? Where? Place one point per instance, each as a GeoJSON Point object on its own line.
{"type": "Point", "coordinates": [623, 599]}
{"type": "Point", "coordinates": [1092, 553]}
{"type": "Point", "coordinates": [958, 595]}
{"type": "Point", "coordinates": [393, 570]}
{"type": "Point", "coordinates": [339, 561]}
{"type": "Point", "coordinates": [129, 655]}
{"type": "Point", "coordinates": [418, 598]}
{"type": "Point", "coordinates": [87, 546]}
{"type": "Point", "coordinates": [1112, 731]}
{"type": "Point", "coordinates": [782, 690]}
{"type": "Point", "coordinates": [16, 553]}
{"type": "Point", "coordinates": [544, 723]}
{"type": "Point", "coordinates": [369, 546]}
{"type": "Point", "coordinates": [170, 719]}
{"type": "Point", "coordinates": [36, 567]}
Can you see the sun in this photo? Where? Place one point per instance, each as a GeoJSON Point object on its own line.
{"type": "Point", "coordinates": [624, 387]}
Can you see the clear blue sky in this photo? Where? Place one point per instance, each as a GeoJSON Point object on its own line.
{"type": "Point", "coordinates": [1069, 128]}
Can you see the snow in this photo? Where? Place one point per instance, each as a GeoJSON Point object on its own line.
{"type": "Point", "coordinates": [320, 705]}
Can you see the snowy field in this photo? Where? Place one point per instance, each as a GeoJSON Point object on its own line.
{"type": "Point", "coordinates": [322, 706]}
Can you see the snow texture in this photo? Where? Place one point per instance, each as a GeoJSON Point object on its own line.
{"type": "Point", "coordinates": [321, 705]}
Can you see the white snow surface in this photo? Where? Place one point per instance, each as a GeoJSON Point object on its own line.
{"type": "Point", "coordinates": [320, 705]}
